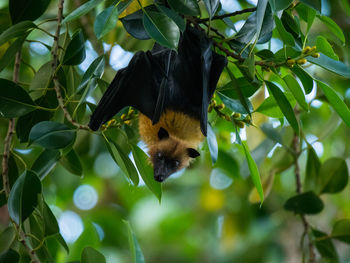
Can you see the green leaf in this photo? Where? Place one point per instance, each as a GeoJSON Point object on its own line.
{"type": "Point", "coordinates": [295, 89]}
{"type": "Point", "coordinates": [304, 77]}
{"type": "Point", "coordinates": [133, 24]}
{"type": "Point", "coordinates": [123, 161]}
{"type": "Point", "coordinates": [135, 248]}
{"type": "Point", "coordinates": [272, 133]}
{"type": "Point", "coordinates": [95, 70]}
{"type": "Point", "coordinates": [286, 36]}
{"type": "Point", "coordinates": [12, 175]}
{"type": "Point", "coordinates": [235, 105]}
{"type": "Point", "coordinates": [334, 176]}
{"type": "Point", "coordinates": [261, 8]}
{"type": "Point", "coordinates": [185, 7]}
{"type": "Point", "coordinates": [161, 28]}
{"type": "Point", "coordinates": [254, 172]}
{"type": "Point", "coordinates": [75, 51]}
{"type": "Point", "coordinates": [107, 19]}
{"type": "Point", "coordinates": [179, 21]}
{"type": "Point", "coordinates": [315, 4]}
{"type": "Point", "coordinates": [325, 246]}
{"type": "Point", "coordinates": [311, 14]}
{"type": "Point", "coordinates": [333, 27]}
{"type": "Point", "coordinates": [341, 230]}
{"type": "Point", "coordinates": [72, 163]}
{"type": "Point", "coordinates": [212, 144]}
{"type": "Point", "coordinates": [212, 6]}
{"type": "Point", "coordinates": [305, 203]}
{"type": "Point", "coordinates": [16, 31]}
{"type": "Point", "coordinates": [270, 108]}
{"type": "Point", "coordinates": [81, 10]}
{"type": "Point", "coordinates": [23, 197]}
{"type": "Point", "coordinates": [337, 103]}
{"type": "Point", "coordinates": [51, 135]}
{"type": "Point", "coordinates": [46, 162]}
{"type": "Point", "coordinates": [91, 255]}
{"type": "Point", "coordinates": [278, 5]}
{"type": "Point", "coordinates": [50, 224]}
{"type": "Point", "coordinates": [21, 10]}
{"type": "Point", "coordinates": [324, 47]}
{"type": "Point", "coordinates": [312, 173]}
{"type": "Point", "coordinates": [284, 105]}
{"type": "Point", "coordinates": [14, 101]}
{"type": "Point", "coordinates": [248, 66]}
{"type": "Point", "coordinates": [332, 65]}
{"type": "Point", "coordinates": [9, 256]}
{"type": "Point", "coordinates": [146, 171]}
{"type": "Point", "coordinates": [232, 88]}
{"type": "Point", "coordinates": [228, 164]}
{"type": "Point", "coordinates": [10, 53]}
{"type": "Point", "coordinates": [6, 238]}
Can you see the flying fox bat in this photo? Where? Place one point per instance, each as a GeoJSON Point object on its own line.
{"type": "Point", "coordinates": [171, 90]}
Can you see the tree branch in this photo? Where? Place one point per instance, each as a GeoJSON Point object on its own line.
{"type": "Point", "coordinates": [239, 12]}
{"type": "Point", "coordinates": [54, 68]}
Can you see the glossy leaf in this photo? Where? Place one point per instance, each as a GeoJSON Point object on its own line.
{"type": "Point", "coordinates": [146, 171]}
{"type": "Point", "coordinates": [12, 175]}
{"type": "Point", "coordinates": [95, 70]}
{"type": "Point", "coordinates": [161, 28]}
{"type": "Point", "coordinates": [332, 65]}
{"type": "Point", "coordinates": [341, 230]}
{"type": "Point", "coordinates": [235, 105]}
{"type": "Point", "coordinates": [278, 5]}
{"type": "Point", "coordinates": [179, 21]}
{"type": "Point", "coordinates": [50, 225]}
{"type": "Point", "coordinates": [312, 173]}
{"type": "Point", "coordinates": [254, 172]}
{"type": "Point", "coordinates": [10, 53]}
{"type": "Point", "coordinates": [270, 108]}
{"type": "Point", "coordinates": [185, 7]}
{"type": "Point", "coordinates": [16, 31]}
{"type": "Point", "coordinates": [315, 4]}
{"type": "Point", "coordinates": [334, 175]}
{"type": "Point", "coordinates": [72, 163]}
{"type": "Point", "coordinates": [272, 133]}
{"type": "Point", "coordinates": [91, 255]}
{"type": "Point", "coordinates": [212, 144]}
{"type": "Point", "coordinates": [14, 101]}
{"type": "Point", "coordinates": [261, 8]}
{"type": "Point", "coordinates": [133, 24]}
{"type": "Point", "coordinates": [46, 162]}
{"type": "Point", "coordinates": [333, 27]}
{"type": "Point", "coordinates": [21, 10]}
{"type": "Point", "coordinates": [7, 236]}
{"type": "Point", "coordinates": [212, 6]}
{"type": "Point", "coordinates": [248, 66]}
{"type": "Point", "coordinates": [325, 246]}
{"type": "Point", "coordinates": [295, 89]}
{"type": "Point", "coordinates": [81, 10]}
{"type": "Point", "coordinates": [134, 246]}
{"type": "Point", "coordinates": [286, 36]}
{"type": "Point", "coordinates": [304, 77]}
{"type": "Point", "coordinates": [123, 161]}
{"type": "Point", "coordinates": [75, 51]}
{"type": "Point", "coordinates": [305, 203]}
{"type": "Point", "coordinates": [324, 47]}
{"type": "Point", "coordinates": [337, 103]}
{"type": "Point", "coordinates": [232, 88]}
{"type": "Point", "coordinates": [107, 19]}
{"type": "Point", "coordinates": [284, 105]}
{"type": "Point", "coordinates": [51, 135]}
{"type": "Point", "coordinates": [23, 197]}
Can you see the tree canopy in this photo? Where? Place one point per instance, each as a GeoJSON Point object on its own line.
{"type": "Point", "coordinates": [271, 184]}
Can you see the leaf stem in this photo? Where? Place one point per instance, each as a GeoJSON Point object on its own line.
{"type": "Point", "coordinates": [239, 12]}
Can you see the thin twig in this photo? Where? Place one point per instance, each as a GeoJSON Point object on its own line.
{"type": "Point", "coordinates": [54, 67]}
{"type": "Point", "coordinates": [239, 12]}
{"type": "Point", "coordinates": [297, 152]}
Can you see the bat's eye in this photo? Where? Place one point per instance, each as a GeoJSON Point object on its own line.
{"type": "Point", "coordinates": [176, 163]}
{"type": "Point", "coordinates": [159, 155]}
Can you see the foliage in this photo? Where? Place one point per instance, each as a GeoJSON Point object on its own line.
{"type": "Point", "coordinates": [283, 98]}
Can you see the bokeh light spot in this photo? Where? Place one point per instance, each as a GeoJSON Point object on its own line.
{"type": "Point", "coordinates": [85, 197]}
{"type": "Point", "coordinates": [105, 166]}
{"type": "Point", "coordinates": [219, 180]}
{"type": "Point", "coordinates": [71, 226]}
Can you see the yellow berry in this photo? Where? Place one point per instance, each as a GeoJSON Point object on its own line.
{"type": "Point", "coordinates": [131, 111]}
{"type": "Point", "coordinates": [221, 106]}
{"type": "Point", "coordinates": [210, 108]}
{"type": "Point", "coordinates": [214, 103]}
{"type": "Point", "coordinates": [248, 118]}
{"type": "Point", "coordinates": [127, 122]}
{"type": "Point", "coordinates": [306, 50]}
{"type": "Point", "coordinates": [240, 124]}
{"type": "Point", "coordinates": [313, 49]}
{"type": "Point", "coordinates": [123, 117]}
{"type": "Point", "coordinates": [316, 55]}
{"type": "Point", "coordinates": [290, 62]}
{"type": "Point", "coordinates": [228, 118]}
{"type": "Point", "coordinates": [301, 61]}
{"type": "Point", "coordinates": [236, 115]}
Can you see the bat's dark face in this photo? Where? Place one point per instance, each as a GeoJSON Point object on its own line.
{"type": "Point", "coordinates": [169, 155]}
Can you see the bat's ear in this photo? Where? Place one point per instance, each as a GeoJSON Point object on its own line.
{"type": "Point", "coordinates": [163, 134]}
{"type": "Point", "coordinates": [192, 153]}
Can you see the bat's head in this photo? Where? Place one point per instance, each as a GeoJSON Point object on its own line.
{"type": "Point", "coordinates": [169, 155]}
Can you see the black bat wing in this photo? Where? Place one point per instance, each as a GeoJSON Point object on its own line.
{"type": "Point", "coordinates": [137, 85]}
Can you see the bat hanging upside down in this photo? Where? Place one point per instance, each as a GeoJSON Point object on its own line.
{"type": "Point", "coordinates": [171, 90]}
